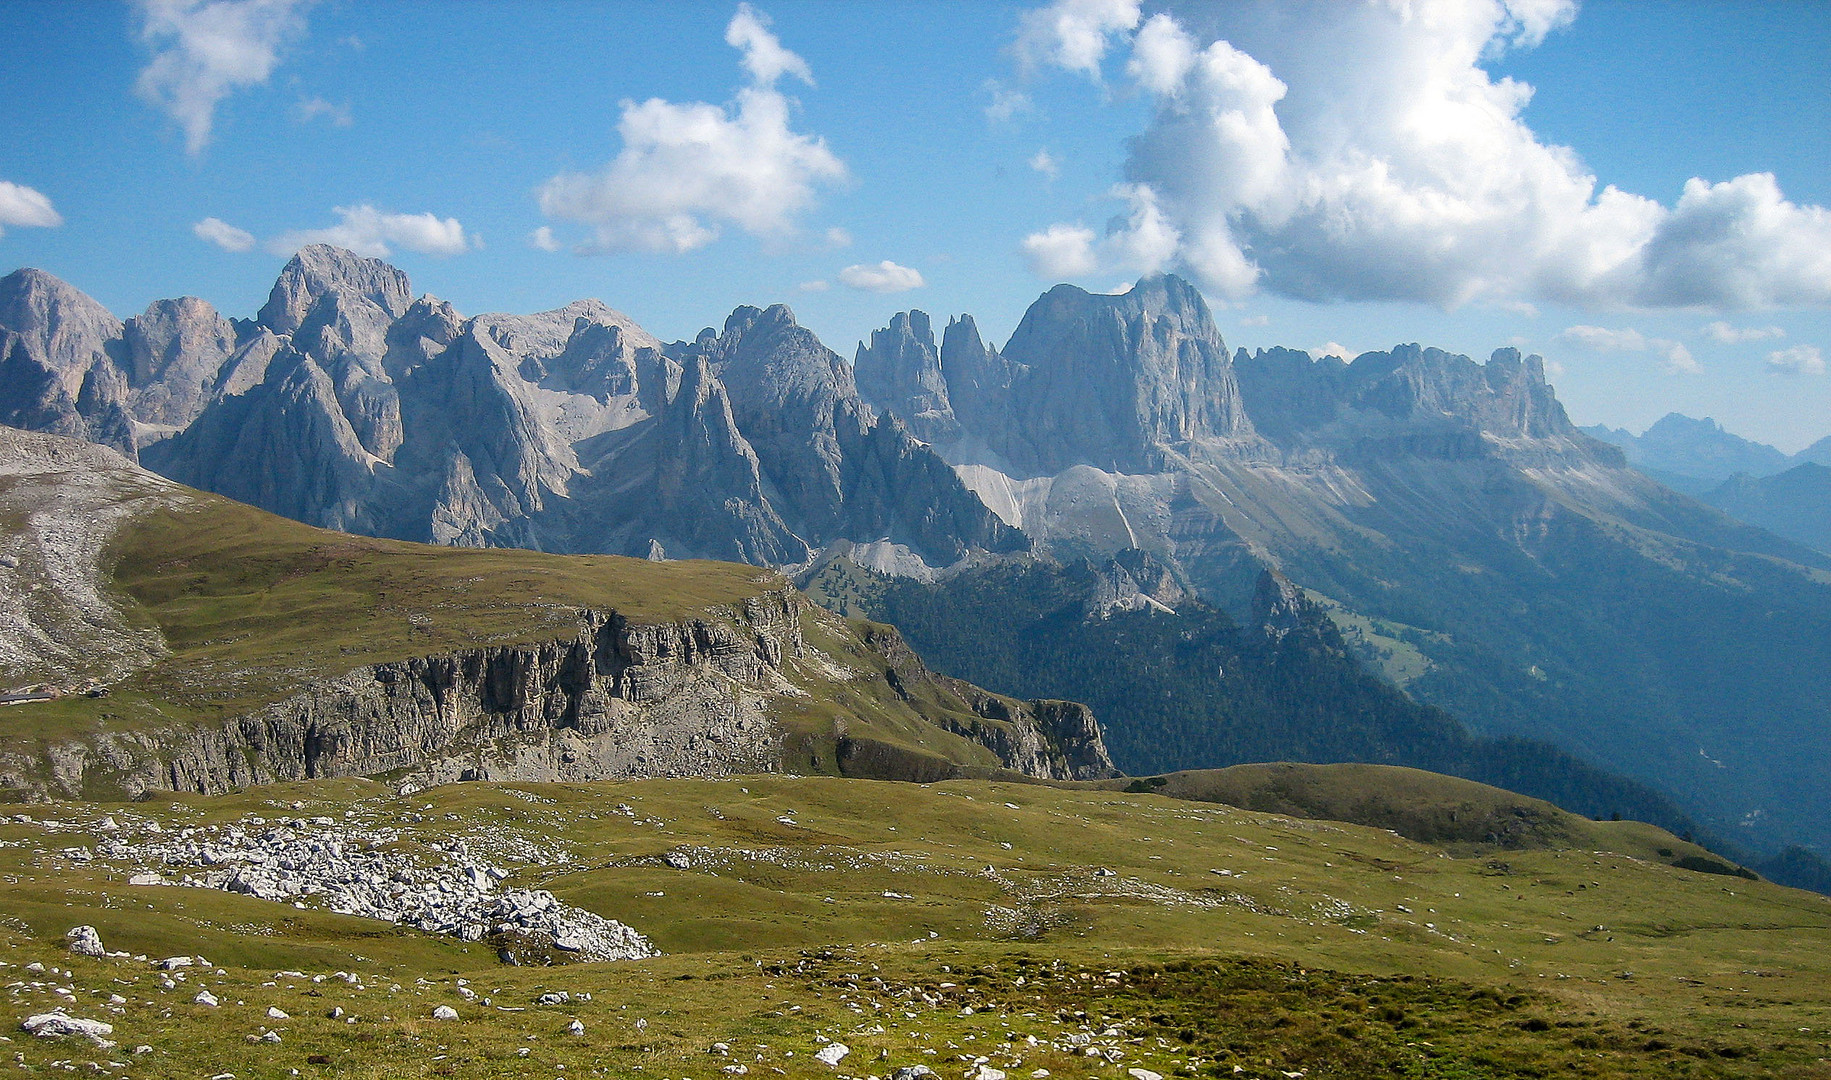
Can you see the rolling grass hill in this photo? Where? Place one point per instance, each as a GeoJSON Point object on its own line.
{"type": "Point", "coordinates": [947, 925]}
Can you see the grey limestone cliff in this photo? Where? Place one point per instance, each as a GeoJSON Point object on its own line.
{"type": "Point", "coordinates": [347, 403]}
{"type": "Point", "coordinates": [901, 373]}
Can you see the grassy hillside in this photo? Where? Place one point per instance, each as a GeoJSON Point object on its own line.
{"type": "Point", "coordinates": [253, 607]}
{"type": "Point", "coordinates": [942, 924]}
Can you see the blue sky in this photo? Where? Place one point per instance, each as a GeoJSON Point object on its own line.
{"type": "Point", "coordinates": [1332, 174]}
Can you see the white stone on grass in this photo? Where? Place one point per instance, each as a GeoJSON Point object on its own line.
{"type": "Point", "coordinates": [53, 1024]}
{"type": "Point", "coordinates": [84, 941]}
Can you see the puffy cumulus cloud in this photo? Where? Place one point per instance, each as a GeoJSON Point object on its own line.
{"type": "Point", "coordinates": [205, 49]}
{"type": "Point", "coordinates": [1674, 356]}
{"type": "Point", "coordinates": [883, 277]}
{"type": "Point", "coordinates": [543, 239]}
{"type": "Point", "coordinates": [367, 231]}
{"type": "Point", "coordinates": [1044, 162]}
{"type": "Point", "coordinates": [25, 207]}
{"type": "Point", "coordinates": [1360, 151]}
{"type": "Point", "coordinates": [686, 170]}
{"type": "Point", "coordinates": [1061, 251]}
{"type": "Point", "coordinates": [224, 235]}
{"type": "Point", "coordinates": [1141, 241]}
{"type": "Point", "coordinates": [1797, 360]}
{"type": "Point", "coordinates": [1073, 34]}
{"type": "Point", "coordinates": [1335, 349]}
{"type": "Point", "coordinates": [1724, 334]}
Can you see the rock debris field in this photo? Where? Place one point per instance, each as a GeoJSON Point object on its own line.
{"type": "Point", "coordinates": [362, 869]}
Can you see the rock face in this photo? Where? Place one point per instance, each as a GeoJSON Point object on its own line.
{"type": "Point", "coordinates": [1409, 401]}
{"type": "Point", "coordinates": [348, 404]}
{"type": "Point", "coordinates": [587, 693]}
{"type": "Point", "coordinates": [839, 473]}
{"type": "Point", "coordinates": [1114, 382]}
{"type": "Point", "coordinates": [902, 371]}
{"type": "Point", "coordinates": [619, 700]}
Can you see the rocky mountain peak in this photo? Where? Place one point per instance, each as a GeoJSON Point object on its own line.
{"type": "Point", "coordinates": [61, 326]}
{"type": "Point", "coordinates": [900, 372]}
{"type": "Point", "coordinates": [1114, 381]}
{"type": "Point", "coordinates": [1409, 399]}
{"type": "Point", "coordinates": [173, 352]}
{"type": "Point", "coordinates": [320, 268]}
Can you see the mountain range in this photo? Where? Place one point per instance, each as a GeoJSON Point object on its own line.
{"type": "Point", "coordinates": [1788, 495]}
{"type": "Point", "coordinates": [1475, 548]}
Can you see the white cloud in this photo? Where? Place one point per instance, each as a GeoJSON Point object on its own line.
{"type": "Point", "coordinates": [310, 109]}
{"type": "Point", "coordinates": [367, 231]}
{"type": "Point", "coordinates": [1797, 360]}
{"type": "Point", "coordinates": [1360, 151]}
{"type": "Point", "coordinates": [764, 56]}
{"type": "Point", "coordinates": [1141, 241]}
{"type": "Point", "coordinates": [1674, 356]}
{"type": "Point", "coordinates": [1073, 34]}
{"type": "Point", "coordinates": [687, 169]}
{"type": "Point", "coordinates": [837, 237]}
{"type": "Point", "coordinates": [1339, 351]}
{"type": "Point", "coordinates": [543, 239]}
{"type": "Point", "coordinates": [813, 286]}
{"type": "Point", "coordinates": [885, 277]}
{"type": "Point", "coordinates": [1256, 320]}
{"type": "Point", "coordinates": [1061, 251]}
{"type": "Point", "coordinates": [223, 235]}
{"type": "Point", "coordinates": [1044, 162]}
{"type": "Point", "coordinates": [24, 207]}
{"type": "Point", "coordinates": [205, 49]}
{"type": "Point", "coordinates": [1724, 334]}
{"type": "Point", "coordinates": [1006, 104]}
{"type": "Point", "coordinates": [1603, 339]}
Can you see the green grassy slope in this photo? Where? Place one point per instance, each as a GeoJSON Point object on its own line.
{"type": "Point", "coordinates": [254, 606]}
{"type": "Point", "coordinates": [1326, 949]}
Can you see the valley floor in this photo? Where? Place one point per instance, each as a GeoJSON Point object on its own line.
{"type": "Point", "coordinates": [974, 928]}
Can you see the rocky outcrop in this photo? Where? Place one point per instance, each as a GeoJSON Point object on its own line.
{"type": "Point", "coordinates": [617, 700]}
{"type": "Point", "coordinates": [1409, 401]}
{"type": "Point", "coordinates": [1042, 737]}
{"type": "Point", "coordinates": [1114, 381]}
{"type": "Point", "coordinates": [901, 373]}
{"type": "Point", "coordinates": [348, 404]}
{"type": "Point", "coordinates": [173, 353]}
{"type": "Point", "coordinates": [835, 471]}
{"type": "Point", "coordinates": [320, 271]}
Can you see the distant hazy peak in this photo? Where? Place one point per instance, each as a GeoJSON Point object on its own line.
{"type": "Point", "coordinates": [321, 268]}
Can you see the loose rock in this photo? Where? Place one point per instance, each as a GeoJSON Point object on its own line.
{"type": "Point", "coordinates": [84, 941]}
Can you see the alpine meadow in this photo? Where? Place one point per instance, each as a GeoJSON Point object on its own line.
{"type": "Point", "coordinates": [873, 560]}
